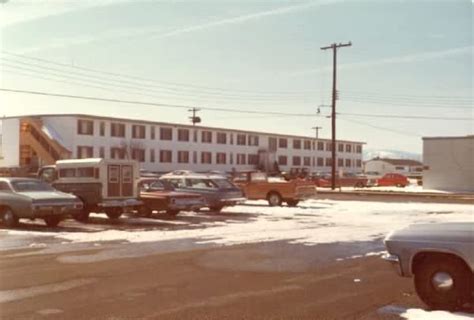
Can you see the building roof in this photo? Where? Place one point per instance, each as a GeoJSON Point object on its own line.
{"type": "Point", "coordinates": [449, 138]}
{"type": "Point", "coordinates": [85, 116]}
{"type": "Point", "coordinates": [399, 162]}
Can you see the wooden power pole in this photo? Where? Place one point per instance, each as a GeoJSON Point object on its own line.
{"type": "Point", "coordinates": [334, 48]}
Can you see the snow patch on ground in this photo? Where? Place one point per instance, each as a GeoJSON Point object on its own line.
{"type": "Point", "coordinates": [419, 314]}
{"type": "Point", "coordinates": [313, 222]}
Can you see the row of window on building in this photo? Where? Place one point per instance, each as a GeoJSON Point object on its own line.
{"type": "Point", "coordinates": [86, 127]}
{"type": "Point", "coordinates": [206, 157]}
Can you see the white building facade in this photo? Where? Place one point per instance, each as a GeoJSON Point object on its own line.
{"type": "Point", "coordinates": [163, 147]}
{"type": "Point", "coordinates": [448, 163]}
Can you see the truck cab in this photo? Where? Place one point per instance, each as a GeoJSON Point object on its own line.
{"type": "Point", "coordinates": [103, 185]}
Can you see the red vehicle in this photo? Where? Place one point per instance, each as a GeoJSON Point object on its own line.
{"type": "Point", "coordinates": [345, 181]}
{"type": "Point", "coordinates": [158, 195]}
{"type": "Point", "coordinates": [393, 179]}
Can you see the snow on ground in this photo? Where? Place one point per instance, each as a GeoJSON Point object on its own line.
{"type": "Point", "coordinates": [313, 222]}
{"type": "Point", "coordinates": [411, 188]}
{"type": "Point", "coordinates": [419, 314]}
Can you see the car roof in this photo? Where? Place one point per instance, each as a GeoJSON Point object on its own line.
{"type": "Point", "coordinates": [10, 179]}
{"type": "Point", "coordinates": [193, 176]}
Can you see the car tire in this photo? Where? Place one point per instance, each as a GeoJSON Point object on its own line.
{"type": "Point", "coordinates": [114, 214]}
{"type": "Point", "coordinates": [440, 266]}
{"type": "Point", "coordinates": [359, 185]}
{"type": "Point", "coordinates": [292, 203]}
{"type": "Point", "coordinates": [9, 219]}
{"type": "Point", "coordinates": [52, 221]}
{"type": "Point", "coordinates": [145, 211]}
{"type": "Point", "coordinates": [83, 216]}
{"type": "Point", "coordinates": [216, 209]}
{"type": "Point", "coordinates": [172, 212]}
{"type": "Point", "coordinates": [274, 199]}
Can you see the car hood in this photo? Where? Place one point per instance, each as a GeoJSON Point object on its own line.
{"type": "Point", "coordinates": [47, 195]}
{"type": "Point", "coordinates": [435, 232]}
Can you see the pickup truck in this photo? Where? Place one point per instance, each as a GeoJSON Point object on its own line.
{"type": "Point", "coordinates": [257, 186]}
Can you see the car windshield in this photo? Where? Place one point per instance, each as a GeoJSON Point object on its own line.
{"type": "Point", "coordinates": [31, 185]}
{"type": "Point", "coordinates": [223, 183]}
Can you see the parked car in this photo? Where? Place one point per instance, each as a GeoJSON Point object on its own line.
{"type": "Point", "coordinates": [217, 191]}
{"type": "Point", "coordinates": [160, 195]}
{"type": "Point", "coordinates": [109, 186]}
{"type": "Point", "coordinates": [441, 259]}
{"type": "Point", "coordinates": [25, 198]}
{"type": "Point", "coordinates": [257, 186]}
{"type": "Point", "coordinates": [325, 181]}
{"type": "Point", "coordinates": [393, 179]}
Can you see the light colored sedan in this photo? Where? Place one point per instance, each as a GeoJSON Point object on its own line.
{"type": "Point", "coordinates": [440, 257]}
{"type": "Point", "coordinates": [23, 198]}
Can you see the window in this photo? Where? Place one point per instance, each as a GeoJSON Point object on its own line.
{"type": "Point", "coordinates": [241, 158]}
{"type": "Point", "coordinates": [307, 161]}
{"type": "Point", "coordinates": [117, 130]}
{"type": "Point", "coordinates": [138, 132]}
{"type": "Point", "coordinates": [241, 139]}
{"type": "Point", "coordinates": [220, 158]}
{"type": "Point", "coordinates": [166, 156]}
{"type": "Point", "coordinates": [102, 152]}
{"type": "Point", "coordinates": [340, 147]}
{"type": "Point", "coordinates": [296, 161]}
{"type": "Point", "coordinates": [348, 148]}
{"type": "Point", "coordinates": [329, 146]}
{"type": "Point", "coordinates": [359, 149]}
{"type": "Point", "coordinates": [138, 154]}
{"type": "Point", "coordinates": [359, 163]}
{"type": "Point", "coordinates": [117, 153]}
{"type": "Point", "coordinates": [152, 132]}
{"type": "Point", "coordinates": [253, 140]}
{"type": "Point", "coordinates": [328, 162]}
{"type": "Point", "coordinates": [296, 144]}
{"type": "Point", "coordinates": [152, 155]}
{"type": "Point", "coordinates": [231, 158]}
{"type": "Point", "coordinates": [340, 162]}
{"type": "Point", "coordinates": [399, 168]}
{"type": "Point", "coordinates": [221, 138]}
{"type": "Point", "coordinates": [183, 156]}
{"type": "Point", "coordinates": [348, 163]}
{"type": "Point", "coordinates": [195, 135]}
{"type": "Point", "coordinates": [206, 157]}
{"type": "Point", "coordinates": [4, 186]}
{"type": "Point", "coordinates": [102, 129]}
{"type": "Point", "coordinates": [252, 159]}
{"type": "Point", "coordinates": [166, 134]}
{"type": "Point", "coordinates": [87, 172]}
{"type": "Point", "coordinates": [320, 162]}
{"type": "Point", "coordinates": [195, 157]}
{"type": "Point", "coordinates": [85, 152]}
{"type": "Point", "coordinates": [206, 136]}
{"type": "Point", "coordinates": [307, 145]}
{"type": "Point", "coordinates": [272, 144]}
{"type": "Point", "coordinates": [320, 145]}
{"type": "Point", "coordinates": [231, 138]}
{"type": "Point", "coordinates": [67, 173]}
{"type": "Point", "coordinates": [85, 127]}
{"type": "Point", "coordinates": [282, 160]}
{"type": "Point", "coordinates": [183, 135]}
{"type": "Point", "coordinates": [282, 143]}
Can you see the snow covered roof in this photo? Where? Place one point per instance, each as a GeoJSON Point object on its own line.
{"type": "Point", "coordinates": [399, 162]}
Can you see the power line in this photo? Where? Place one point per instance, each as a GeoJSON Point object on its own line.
{"type": "Point", "coordinates": [234, 110]}
{"type": "Point", "coordinates": [381, 128]}
{"type": "Point", "coordinates": [163, 84]}
{"type": "Point", "coordinates": [408, 96]}
{"type": "Point", "coordinates": [411, 117]}
{"type": "Point", "coordinates": [403, 104]}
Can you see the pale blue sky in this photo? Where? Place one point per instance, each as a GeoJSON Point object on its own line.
{"type": "Point", "coordinates": [408, 58]}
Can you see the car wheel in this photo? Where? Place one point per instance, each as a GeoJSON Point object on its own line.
{"type": "Point", "coordinates": [172, 212]}
{"type": "Point", "coordinates": [216, 209]}
{"type": "Point", "coordinates": [10, 220]}
{"type": "Point", "coordinates": [400, 185]}
{"type": "Point", "coordinates": [443, 282]}
{"type": "Point", "coordinates": [52, 221]}
{"type": "Point", "coordinates": [114, 213]}
{"type": "Point", "coordinates": [145, 211]}
{"type": "Point", "coordinates": [274, 199]}
{"type": "Point", "coordinates": [359, 185]}
{"type": "Point", "coordinates": [292, 203]}
{"type": "Point", "coordinates": [83, 216]}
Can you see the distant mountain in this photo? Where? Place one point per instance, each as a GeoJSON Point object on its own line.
{"type": "Point", "coordinates": [391, 154]}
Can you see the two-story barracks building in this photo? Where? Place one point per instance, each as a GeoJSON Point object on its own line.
{"type": "Point", "coordinates": [161, 147]}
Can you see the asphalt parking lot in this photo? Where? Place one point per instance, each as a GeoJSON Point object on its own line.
{"type": "Point", "coordinates": [320, 260]}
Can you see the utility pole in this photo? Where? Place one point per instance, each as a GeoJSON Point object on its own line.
{"type": "Point", "coordinates": [317, 131]}
{"type": "Point", "coordinates": [334, 48]}
{"type": "Point", "coordinates": [195, 119]}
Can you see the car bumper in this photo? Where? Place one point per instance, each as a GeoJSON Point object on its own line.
{"type": "Point", "coordinates": [394, 260]}
{"type": "Point", "coordinates": [127, 203]}
{"type": "Point", "coordinates": [232, 201]}
{"type": "Point", "coordinates": [55, 210]}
